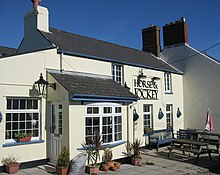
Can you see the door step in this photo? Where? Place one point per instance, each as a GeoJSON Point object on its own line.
{"type": "Point", "coordinates": [48, 168]}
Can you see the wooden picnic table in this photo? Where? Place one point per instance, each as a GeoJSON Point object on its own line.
{"type": "Point", "coordinates": [211, 138]}
{"type": "Point", "coordinates": [192, 146]}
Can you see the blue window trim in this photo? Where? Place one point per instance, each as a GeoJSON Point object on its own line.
{"type": "Point", "coordinates": [22, 143]}
{"type": "Point", "coordinates": [108, 145]}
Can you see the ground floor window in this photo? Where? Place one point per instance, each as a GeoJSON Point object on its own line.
{"type": "Point", "coordinates": [22, 115]}
{"type": "Point", "coordinates": [147, 117]}
{"type": "Point", "coordinates": [105, 118]}
{"type": "Point", "coordinates": [169, 115]}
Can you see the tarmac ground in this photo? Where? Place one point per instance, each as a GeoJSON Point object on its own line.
{"type": "Point", "coordinates": [153, 163]}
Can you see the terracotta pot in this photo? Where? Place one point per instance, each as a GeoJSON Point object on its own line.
{"type": "Point", "coordinates": [113, 168]}
{"type": "Point", "coordinates": [110, 164]}
{"type": "Point", "coordinates": [136, 161]}
{"type": "Point", "coordinates": [12, 169]}
{"type": "Point", "coordinates": [105, 167]}
{"type": "Point", "coordinates": [93, 169]}
{"type": "Point", "coordinates": [24, 139]}
{"type": "Point", "coordinates": [117, 165]}
{"type": "Point", "coordinates": [62, 170]}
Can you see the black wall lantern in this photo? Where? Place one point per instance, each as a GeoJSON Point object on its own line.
{"type": "Point", "coordinates": [43, 84]}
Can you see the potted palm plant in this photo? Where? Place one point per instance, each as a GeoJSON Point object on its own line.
{"type": "Point", "coordinates": [11, 164]}
{"type": "Point", "coordinates": [135, 147]}
{"type": "Point", "coordinates": [63, 161]}
{"type": "Point", "coordinates": [93, 153]}
{"type": "Point", "coordinates": [107, 158]}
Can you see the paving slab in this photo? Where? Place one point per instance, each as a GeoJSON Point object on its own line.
{"type": "Point", "coordinates": [161, 165]}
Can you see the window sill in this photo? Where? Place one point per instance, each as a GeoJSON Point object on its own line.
{"type": "Point", "coordinates": [22, 143]}
{"type": "Point", "coordinates": [107, 145]}
{"type": "Point", "coordinates": [169, 93]}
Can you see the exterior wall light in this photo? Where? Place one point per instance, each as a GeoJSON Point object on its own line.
{"type": "Point", "coordinates": [43, 84]}
{"type": "Point", "coordinates": [135, 115]}
{"type": "Point", "coordinates": [178, 113]}
{"type": "Point", "coordinates": [160, 114]}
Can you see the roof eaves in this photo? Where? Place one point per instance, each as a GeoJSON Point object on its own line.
{"type": "Point", "coordinates": [205, 55]}
{"type": "Point", "coordinates": [86, 97]}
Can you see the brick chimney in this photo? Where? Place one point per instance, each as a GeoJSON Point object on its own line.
{"type": "Point", "coordinates": [175, 33]}
{"type": "Point", "coordinates": [151, 40]}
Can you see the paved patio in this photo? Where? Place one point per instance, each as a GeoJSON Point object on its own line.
{"type": "Point", "coordinates": [162, 165]}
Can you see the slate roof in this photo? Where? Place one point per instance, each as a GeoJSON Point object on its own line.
{"type": "Point", "coordinates": [4, 51]}
{"type": "Point", "coordinates": [77, 44]}
{"type": "Point", "coordinates": [92, 86]}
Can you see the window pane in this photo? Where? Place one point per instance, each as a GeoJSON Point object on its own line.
{"type": "Point", "coordinates": [8, 117]}
{"type": "Point", "coordinates": [9, 104]}
{"type": "Point", "coordinates": [15, 104]}
{"type": "Point", "coordinates": [118, 110]}
{"type": "Point", "coordinates": [15, 117]}
{"type": "Point", "coordinates": [88, 121]}
{"type": "Point", "coordinates": [35, 104]}
{"type": "Point", "coordinates": [29, 104]}
{"type": "Point", "coordinates": [96, 121]}
{"type": "Point", "coordinates": [22, 104]}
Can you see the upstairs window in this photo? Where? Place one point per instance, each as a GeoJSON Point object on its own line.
{"type": "Point", "coordinates": [117, 73]}
{"type": "Point", "coordinates": [167, 83]}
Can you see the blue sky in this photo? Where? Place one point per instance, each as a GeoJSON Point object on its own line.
{"type": "Point", "coordinates": [117, 21]}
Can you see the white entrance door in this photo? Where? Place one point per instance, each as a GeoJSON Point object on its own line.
{"type": "Point", "coordinates": [56, 131]}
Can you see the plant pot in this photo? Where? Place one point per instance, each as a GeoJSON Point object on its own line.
{"type": "Point", "coordinates": [136, 161]}
{"type": "Point", "coordinates": [105, 167]}
{"type": "Point", "coordinates": [110, 164]}
{"type": "Point", "coordinates": [117, 165]}
{"type": "Point", "coordinates": [113, 168]}
{"type": "Point", "coordinates": [24, 139]}
{"type": "Point", "coordinates": [93, 169]}
{"type": "Point", "coordinates": [62, 170]}
{"type": "Point", "coordinates": [12, 169]}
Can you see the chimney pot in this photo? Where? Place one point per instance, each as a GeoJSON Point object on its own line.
{"type": "Point", "coordinates": [36, 3]}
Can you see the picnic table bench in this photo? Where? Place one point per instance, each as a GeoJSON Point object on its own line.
{"type": "Point", "coordinates": [159, 137]}
{"type": "Point", "coordinates": [192, 146]}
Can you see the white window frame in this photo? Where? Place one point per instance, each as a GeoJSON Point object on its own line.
{"type": "Point", "coordinates": [113, 114]}
{"type": "Point", "coordinates": [169, 115]}
{"type": "Point", "coordinates": [167, 82]}
{"type": "Point", "coordinates": [22, 111]}
{"type": "Point", "coordinates": [148, 113]}
{"type": "Point", "coordinates": [117, 73]}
